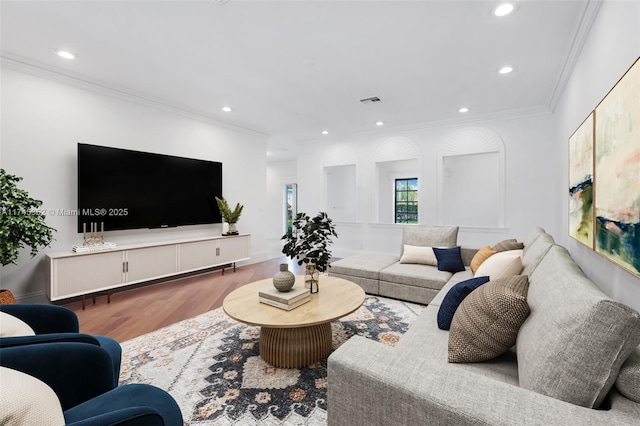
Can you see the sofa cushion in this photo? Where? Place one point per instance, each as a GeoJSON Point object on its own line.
{"type": "Point", "coordinates": [506, 245]}
{"type": "Point", "coordinates": [418, 254]}
{"type": "Point", "coordinates": [449, 259]}
{"type": "Point", "coordinates": [415, 275]}
{"type": "Point", "coordinates": [454, 297]}
{"type": "Point", "coordinates": [430, 237]}
{"type": "Point", "coordinates": [628, 381]}
{"type": "Point", "coordinates": [483, 254]}
{"type": "Point", "coordinates": [532, 257]}
{"type": "Point", "coordinates": [11, 326]}
{"type": "Point", "coordinates": [500, 265]}
{"type": "Point", "coordinates": [575, 340]}
{"type": "Point", "coordinates": [532, 237]}
{"type": "Point", "coordinates": [29, 401]}
{"type": "Point", "coordinates": [487, 321]}
{"type": "Point", "coordinates": [365, 265]}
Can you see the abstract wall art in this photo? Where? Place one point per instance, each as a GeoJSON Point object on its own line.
{"type": "Point", "coordinates": [581, 183]}
{"type": "Point", "coordinates": [617, 172]}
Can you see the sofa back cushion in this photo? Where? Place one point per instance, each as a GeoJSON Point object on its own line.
{"type": "Point", "coordinates": [532, 237]}
{"type": "Point", "coordinates": [573, 343]}
{"type": "Point", "coordinates": [628, 381]}
{"type": "Point", "coordinates": [537, 250]}
{"type": "Point", "coordinates": [443, 237]}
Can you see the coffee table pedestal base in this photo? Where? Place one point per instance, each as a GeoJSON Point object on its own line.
{"type": "Point", "coordinates": [295, 347]}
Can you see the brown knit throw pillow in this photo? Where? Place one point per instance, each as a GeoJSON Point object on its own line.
{"type": "Point", "coordinates": [506, 245]}
{"type": "Point", "coordinates": [487, 321]}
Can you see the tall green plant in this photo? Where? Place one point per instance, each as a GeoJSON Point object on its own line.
{"type": "Point", "coordinates": [309, 240]}
{"type": "Point", "coordinates": [21, 221]}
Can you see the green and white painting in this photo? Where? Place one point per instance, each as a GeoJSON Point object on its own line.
{"type": "Point", "coordinates": [617, 173]}
{"type": "Point", "coordinates": [581, 183]}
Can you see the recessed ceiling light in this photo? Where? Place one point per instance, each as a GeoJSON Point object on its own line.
{"type": "Point", "coordinates": [226, 109]}
{"type": "Point", "coordinates": [505, 70]}
{"type": "Point", "coordinates": [463, 109]}
{"type": "Point", "coordinates": [503, 10]}
{"type": "Point", "coordinates": [65, 54]}
{"type": "Point", "coordinates": [325, 132]}
{"type": "Point", "coordinates": [379, 123]}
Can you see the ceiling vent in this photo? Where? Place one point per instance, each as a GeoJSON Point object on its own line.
{"type": "Point", "coordinates": [371, 100]}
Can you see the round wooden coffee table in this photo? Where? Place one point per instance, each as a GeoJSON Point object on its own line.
{"type": "Point", "coordinates": [302, 336]}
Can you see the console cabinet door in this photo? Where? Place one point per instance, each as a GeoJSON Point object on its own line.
{"type": "Point", "coordinates": [151, 262]}
{"type": "Point", "coordinates": [233, 249]}
{"type": "Point", "coordinates": [197, 255]}
{"type": "Point", "coordinates": [78, 275]}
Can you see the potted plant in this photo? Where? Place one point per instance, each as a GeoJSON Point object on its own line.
{"type": "Point", "coordinates": [21, 221]}
{"type": "Point", "coordinates": [228, 215]}
{"type": "Point", "coordinates": [309, 242]}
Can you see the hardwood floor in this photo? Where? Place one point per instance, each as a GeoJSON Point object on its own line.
{"type": "Point", "coordinates": [136, 311]}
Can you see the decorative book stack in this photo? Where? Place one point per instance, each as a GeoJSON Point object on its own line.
{"type": "Point", "coordinates": [284, 300]}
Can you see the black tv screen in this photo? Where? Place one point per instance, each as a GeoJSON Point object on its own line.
{"type": "Point", "coordinates": [127, 189]}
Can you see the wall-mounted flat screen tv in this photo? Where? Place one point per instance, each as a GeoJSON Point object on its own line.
{"type": "Point", "coordinates": [127, 189]}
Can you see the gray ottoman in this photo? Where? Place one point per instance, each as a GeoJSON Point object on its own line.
{"type": "Point", "coordinates": [363, 269]}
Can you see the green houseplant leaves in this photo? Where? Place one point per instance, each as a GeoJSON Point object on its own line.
{"type": "Point", "coordinates": [21, 221]}
{"type": "Point", "coordinates": [310, 239]}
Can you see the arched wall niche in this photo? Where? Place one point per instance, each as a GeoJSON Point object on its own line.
{"type": "Point", "coordinates": [339, 164]}
{"type": "Point", "coordinates": [396, 148]}
{"type": "Point", "coordinates": [397, 157]}
{"type": "Point", "coordinates": [471, 179]}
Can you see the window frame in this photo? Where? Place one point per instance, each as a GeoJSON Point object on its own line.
{"type": "Point", "coordinates": [408, 201]}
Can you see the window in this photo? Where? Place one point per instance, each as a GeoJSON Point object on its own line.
{"type": "Point", "coordinates": [406, 200]}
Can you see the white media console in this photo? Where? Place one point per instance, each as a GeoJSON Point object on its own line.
{"type": "Point", "coordinates": [81, 274]}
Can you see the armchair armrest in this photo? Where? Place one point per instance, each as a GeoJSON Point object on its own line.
{"type": "Point", "coordinates": [76, 372]}
{"type": "Point", "coordinates": [7, 342]}
{"type": "Point", "coordinates": [133, 416]}
{"type": "Point", "coordinates": [45, 318]}
{"type": "Point", "coordinates": [372, 384]}
{"type": "Point", "coordinates": [133, 404]}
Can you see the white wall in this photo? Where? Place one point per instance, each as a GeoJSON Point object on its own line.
{"type": "Point", "coordinates": [611, 48]}
{"type": "Point", "coordinates": [42, 122]}
{"type": "Point", "coordinates": [531, 186]}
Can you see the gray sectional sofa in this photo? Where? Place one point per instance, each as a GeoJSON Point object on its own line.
{"type": "Point", "coordinates": [576, 361]}
{"type": "Point", "coordinates": [385, 275]}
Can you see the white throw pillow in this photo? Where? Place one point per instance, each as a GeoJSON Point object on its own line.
{"type": "Point", "coordinates": [11, 326]}
{"type": "Point", "coordinates": [501, 265]}
{"type": "Point", "coordinates": [26, 400]}
{"type": "Point", "coordinates": [418, 254]}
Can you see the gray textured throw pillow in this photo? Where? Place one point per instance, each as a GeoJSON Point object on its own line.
{"type": "Point", "coordinates": [487, 321]}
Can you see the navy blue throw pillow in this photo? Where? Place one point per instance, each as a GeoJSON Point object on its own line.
{"type": "Point", "coordinates": [449, 259]}
{"type": "Point", "coordinates": [454, 297]}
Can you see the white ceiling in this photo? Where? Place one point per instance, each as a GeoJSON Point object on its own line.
{"type": "Point", "coordinates": [290, 69]}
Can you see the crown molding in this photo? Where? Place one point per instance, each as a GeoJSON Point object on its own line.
{"type": "Point", "coordinates": [580, 36]}
{"type": "Point", "coordinates": [467, 120]}
{"type": "Point", "coordinates": [26, 66]}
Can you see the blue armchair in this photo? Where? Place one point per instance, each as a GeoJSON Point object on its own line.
{"type": "Point", "coordinates": [53, 323]}
{"type": "Point", "coordinates": [81, 377]}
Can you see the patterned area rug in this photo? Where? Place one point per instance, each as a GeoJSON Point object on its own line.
{"type": "Point", "coordinates": [211, 365]}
